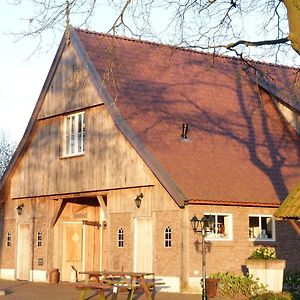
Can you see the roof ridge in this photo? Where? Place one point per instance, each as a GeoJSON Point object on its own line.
{"type": "Point", "coordinates": [181, 48]}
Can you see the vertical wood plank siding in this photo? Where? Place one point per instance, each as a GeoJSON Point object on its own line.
{"type": "Point", "coordinates": [108, 162]}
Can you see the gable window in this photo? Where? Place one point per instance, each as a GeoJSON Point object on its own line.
{"type": "Point", "coordinates": [261, 227]}
{"type": "Point", "coordinates": [168, 237]}
{"type": "Point", "coordinates": [8, 239]}
{"type": "Point", "coordinates": [39, 239]}
{"type": "Point", "coordinates": [221, 228]}
{"type": "Point", "coordinates": [121, 238]}
{"type": "Point", "coordinates": [74, 134]}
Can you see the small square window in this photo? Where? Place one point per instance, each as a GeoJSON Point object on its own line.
{"type": "Point", "coordinates": [74, 134]}
{"type": "Point", "coordinates": [261, 227]}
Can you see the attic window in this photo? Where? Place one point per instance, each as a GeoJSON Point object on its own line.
{"type": "Point", "coordinates": [74, 134]}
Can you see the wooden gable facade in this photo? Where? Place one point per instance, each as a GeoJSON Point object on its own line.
{"type": "Point", "coordinates": [79, 211]}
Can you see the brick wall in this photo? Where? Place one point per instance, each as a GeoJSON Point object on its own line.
{"type": "Point", "coordinates": [39, 252]}
{"type": "Point", "coordinates": [167, 261]}
{"type": "Point", "coordinates": [7, 253]}
{"type": "Point", "coordinates": [120, 258]}
{"type": "Point", "coordinates": [230, 256]}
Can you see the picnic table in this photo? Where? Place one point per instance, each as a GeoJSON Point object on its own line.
{"type": "Point", "coordinates": [116, 282]}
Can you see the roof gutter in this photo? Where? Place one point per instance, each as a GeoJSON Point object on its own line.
{"type": "Point", "coordinates": [231, 203]}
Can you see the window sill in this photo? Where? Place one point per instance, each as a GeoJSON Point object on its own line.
{"type": "Point", "coordinates": [72, 155]}
{"type": "Point", "coordinates": [262, 240]}
{"type": "Point", "coordinates": [221, 243]}
{"type": "Point", "coordinates": [218, 239]}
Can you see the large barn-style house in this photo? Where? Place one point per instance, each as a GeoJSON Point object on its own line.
{"type": "Point", "coordinates": [128, 141]}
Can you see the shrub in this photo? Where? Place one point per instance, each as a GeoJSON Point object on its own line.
{"type": "Point", "coordinates": [238, 286]}
{"type": "Point", "coordinates": [273, 296]}
{"type": "Point", "coordinates": [263, 253]}
{"type": "Point", "coordinates": [291, 281]}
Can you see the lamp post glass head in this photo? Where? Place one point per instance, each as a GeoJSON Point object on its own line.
{"type": "Point", "coordinates": [205, 222]}
{"type": "Point", "coordinates": [195, 223]}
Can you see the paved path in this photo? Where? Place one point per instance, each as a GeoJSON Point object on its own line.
{"type": "Point", "coordinates": [24, 290]}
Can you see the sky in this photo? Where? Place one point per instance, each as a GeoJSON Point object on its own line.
{"type": "Point", "coordinates": [22, 72]}
{"type": "Point", "coordinates": [21, 75]}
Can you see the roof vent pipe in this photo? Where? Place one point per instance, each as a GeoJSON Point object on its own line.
{"type": "Point", "coordinates": [184, 132]}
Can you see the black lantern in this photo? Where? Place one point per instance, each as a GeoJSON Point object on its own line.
{"type": "Point", "coordinates": [195, 223]}
{"type": "Point", "coordinates": [138, 200]}
{"type": "Point", "coordinates": [207, 223]}
{"type": "Point", "coordinates": [19, 208]}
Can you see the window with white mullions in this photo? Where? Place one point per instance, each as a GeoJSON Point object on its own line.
{"type": "Point", "coordinates": [221, 227]}
{"type": "Point", "coordinates": [261, 227]}
{"type": "Point", "coordinates": [168, 237]}
{"type": "Point", "coordinates": [8, 239]}
{"type": "Point", "coordinates": [121, 238]}
{"type": "Point", "coordinates": [39, 239]}
{"type": "Point", "coordinates": [74, 134]}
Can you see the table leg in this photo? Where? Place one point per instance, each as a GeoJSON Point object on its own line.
{"type": "Point", "coordinates": [130, 294]}
{"type": "Point", "coordinates": [145, 288]}
{"type": "Point", "coordinates": [101, 295]}
{"type": "Point", "coordinates": [114, 296]}
{"type": "Point", "coordinates": [83, 294]}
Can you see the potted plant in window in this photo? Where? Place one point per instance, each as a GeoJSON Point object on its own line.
{"type": "Point", "coordinates": [264, 265]}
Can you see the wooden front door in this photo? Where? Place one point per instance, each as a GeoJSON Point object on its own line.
{"type": "Point", "coordinates": [24, 252]}
{"type": "Point", "coordinates": [143, 245]}
{"type": "Point", "coordinates": [73, 250]}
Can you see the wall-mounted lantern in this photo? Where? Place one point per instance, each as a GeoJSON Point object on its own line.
{"type": "Point", "coordinates": [138, 200]}
{"type": "Point", "coordinates": [19, 208]}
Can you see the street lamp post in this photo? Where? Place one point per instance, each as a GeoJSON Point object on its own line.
{"type": "Point", "coordinates": [205, 224]}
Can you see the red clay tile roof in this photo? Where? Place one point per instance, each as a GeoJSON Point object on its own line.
{"type": "Point", "coordinates": [238, 148]}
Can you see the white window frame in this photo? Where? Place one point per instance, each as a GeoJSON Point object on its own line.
{"type": "Point", "coordinates": [168, 237]}
{"type": "Point", "coordinates": [74, 136]}
{"type": "Point", "coordinates": [8, 239]}
{"type": "Point", "coordinates": [229, 237]}
{"type": "Point", "coordinates": [40, 239]}
{"type": "Point", "coordinates": [121, 237]}
{"type": "Point", "coordinates": [273, 227]}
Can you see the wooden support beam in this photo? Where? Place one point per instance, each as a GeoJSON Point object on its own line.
{"type": "Point", "coordinates": [103, 205]}
{"type": "Point", "coordinates": [58, 211]}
